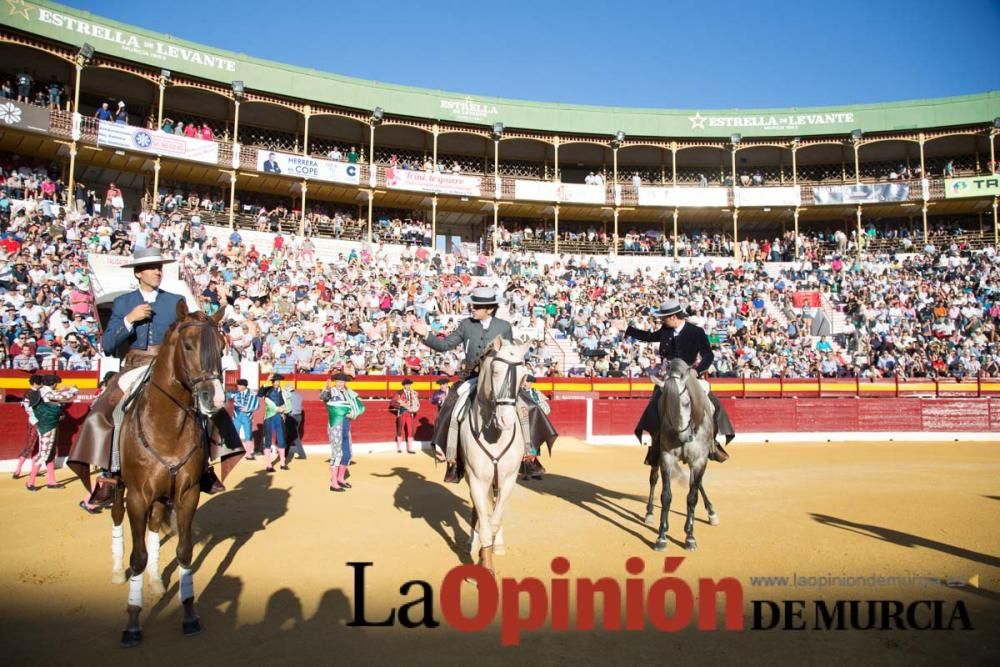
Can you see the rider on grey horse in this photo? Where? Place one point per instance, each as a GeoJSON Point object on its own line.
{"type": "Point", "coordinates": [679, 338]}
{"type": "Point", "coordinates": [474, 334]}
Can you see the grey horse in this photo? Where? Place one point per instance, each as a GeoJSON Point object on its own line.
{"type": "Point", "coordinates": [686, 433]}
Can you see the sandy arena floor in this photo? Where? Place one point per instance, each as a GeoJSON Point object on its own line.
{"type": "Point", "coordinates": [273, 587]}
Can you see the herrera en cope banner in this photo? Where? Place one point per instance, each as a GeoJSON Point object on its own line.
{"type": "Point", "coordinates": [156, 142]}
{"type": "Point", "coordinates": [974, 186]}
{"type": "Point", "coordinates": [303, 166]}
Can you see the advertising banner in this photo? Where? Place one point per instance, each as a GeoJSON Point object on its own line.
{"type": "Point", "coordinates": [24, 116]}
{"type": "Point", "coordinates": [974, 186]}
{"type": "Point", "coordinates": [768, 196]}
{"type": "Point", "coordinates": [303, 166]}
{"type": "Point", "coordinates": [576, 193]}
{"type": "Point", "coordinates": [653, 196]}
{"type": "Point", "coordinates": [861, 193]}
{"type": "Point", "coordinates": [429, 181]}
{"type": "Point", "coordinates": [156, 142]}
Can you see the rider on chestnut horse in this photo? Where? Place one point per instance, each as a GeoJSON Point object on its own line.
{"type": "Point", "coordinates": [139, 320]}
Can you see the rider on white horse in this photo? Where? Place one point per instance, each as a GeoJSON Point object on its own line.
{"type": "Point", "coordinates": [474, 335]}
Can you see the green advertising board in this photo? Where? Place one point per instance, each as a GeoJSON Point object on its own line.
{"type": "Point", "coordinates": [973, 186]}
{"type": "Point", "coordinates": [54, 22]}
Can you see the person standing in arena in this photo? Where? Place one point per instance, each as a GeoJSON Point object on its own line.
{"type": "Point", "coordinates": [30, 398]}
{"type": "Point", "coordinates": [47, 405]}
{"type": "Point", "coordinates": [531, 467]}
{"type": "Point", "coordinates": [406, 403]}
{"type": "Point", "coordinates": [340, 402]}
{"type": "Point", "coordinates": [245, 404]}
{"type": "Point", "coordinates": [679, 338]}
{"type": "Point", "coordinates": [274, 424]}
{"type": "Point", "coordinates": [437, 400]}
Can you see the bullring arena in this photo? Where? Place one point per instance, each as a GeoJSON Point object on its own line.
{"type": "Point", "coordinates": [842, 261]}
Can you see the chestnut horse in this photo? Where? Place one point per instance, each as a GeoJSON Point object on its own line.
{"type": "Point", "coordinates": [163, 448]}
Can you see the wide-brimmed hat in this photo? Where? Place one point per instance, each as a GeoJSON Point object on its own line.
{"type": "Point", "coordinates": [407, 381]}
{"type": "Point", "coordinates": [443, 380]}
{"type": "Point", "coordinates": [668, 308]}
{"type": "Point", "coordinates": [147, 256]}
{"type": "Point", "coordinates": [342, 376]}
{"type": "Point", "coordinates": [483, 296]}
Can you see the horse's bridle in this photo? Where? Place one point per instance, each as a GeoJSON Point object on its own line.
{"type": "Point", "coordinates": [189, 410]}
{"type": "Point", "coordinates": [509, 384]}
{"type": "Point", "coordinates": [188, 382]}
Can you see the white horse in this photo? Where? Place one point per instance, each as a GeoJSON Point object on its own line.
{"type": "Point", "coordinates": [493, 446]}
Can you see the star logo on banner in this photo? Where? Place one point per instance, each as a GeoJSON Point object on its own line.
{"type": "Point", "coordinates": [18, 7]}
{"type": "Point", "coordinates": [697, 121]}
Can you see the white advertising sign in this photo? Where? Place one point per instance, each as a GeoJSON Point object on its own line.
{"type": "Point", "coordinates": [768, 196]}
{"type": "Point", "coordinates": [430, 181]}
{"type": "Point", "coordinates": [576, 193]}
{"type": "Point", "coordinates": [303, 166]}
{"type": "Point", "coordinates": [670, 197]}
{"type": "Point", "coordinates": [155, 142]}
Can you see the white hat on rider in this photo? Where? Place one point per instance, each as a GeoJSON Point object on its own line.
{"type": "Point", "coordinates": [146, 256]}
{"type": "Point", "coordinates": [483, 296]}
{"type": "Point", "coordinates": [668, 308]}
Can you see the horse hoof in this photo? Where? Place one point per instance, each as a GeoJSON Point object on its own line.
{"type": "Point", "coordinates": [661, 545]}
{"type": "Point", "coordinates": [156, 587]}
{"type": "Point", "coordinates": [649, 520]}
{"type": "Point", "coordinates": [713, 519]}
{"type": "Point", "coordinates": [131, 638]}
{"type": "Point", "coordinates": [691, 544]}
{"type": "Point", "coordinates": [191, 628]}
{"type": "Point", "coordinates": [118, 576]}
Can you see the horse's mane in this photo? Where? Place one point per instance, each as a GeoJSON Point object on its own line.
{"type": "Point", "coordinates": [671, 405]}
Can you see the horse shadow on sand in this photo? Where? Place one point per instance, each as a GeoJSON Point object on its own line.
{"type": "Point", "coordinates": [445, 513]}
{"type": "Point", "coordinates": [606, 504]}
{"type": "Point", "coordinates": [284, 619]}
{"type": "Point", "coordinates": [905, 539]}
{"type": "Point", "coordinates": [234, 516]}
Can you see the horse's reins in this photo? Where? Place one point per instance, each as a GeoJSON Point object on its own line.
{"type": "Point", "coordinates": [683, 391]}
{"type": "Point", "coordinates": [509, 386]}
{"type": "Point", "coordinates": [189, 385]}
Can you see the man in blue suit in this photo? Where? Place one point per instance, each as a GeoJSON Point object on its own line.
{"type": "Point", "coordinates": [139, 320]}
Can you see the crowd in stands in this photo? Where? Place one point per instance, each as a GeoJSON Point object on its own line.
{"type": "Point", "coordinates": [23, 87]}
{"type": "Point", "coordinates": [930, 313]}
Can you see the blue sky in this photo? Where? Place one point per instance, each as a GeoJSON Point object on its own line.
{"type": "Point", "coordinates": [710, 55]}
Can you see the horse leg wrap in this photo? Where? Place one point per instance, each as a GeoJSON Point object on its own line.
{"type": "Point", "coordinates": [135, 590]}
{"type": "Point", "coordinates": [153, 548]}
{"type": "Point", "coordinates": [187, 583]}
{"type": "Point", "coordinates": [118, 545]}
